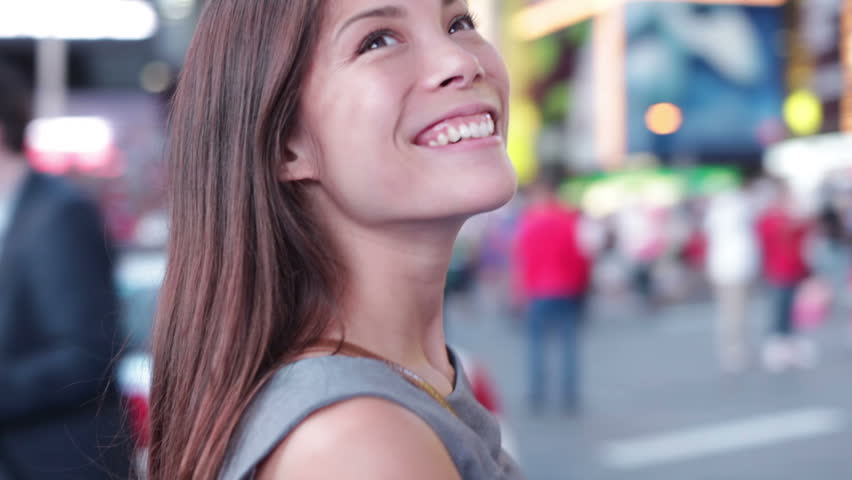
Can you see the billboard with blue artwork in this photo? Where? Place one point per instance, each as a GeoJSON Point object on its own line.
{"type": "Point", "coordinates": [722, 65]}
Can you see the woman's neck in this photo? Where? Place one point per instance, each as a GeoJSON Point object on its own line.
{"type": "Point", "coordinates": [393, 304]}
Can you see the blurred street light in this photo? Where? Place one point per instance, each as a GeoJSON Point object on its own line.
{"type": "Point", "coordinates": [803, 112]}
{"type": "Point", "coordinates": [77, 20]}
{"type": "Point", "coordinates": [156, 77]}
{"type": "Point", "coordinates": [60, 144]}
{"type": "Point", "coordinates": [664, 118]}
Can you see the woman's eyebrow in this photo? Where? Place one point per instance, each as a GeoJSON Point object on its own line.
{"type": "Point", "coordinates": [391, 11]}
{"type": "Point", "coordinates": [388, 11]}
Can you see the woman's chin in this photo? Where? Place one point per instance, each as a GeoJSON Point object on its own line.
{"type": "Point", "coordinates": [498, 199]}
{"type": "Point", "coordinates": [486, 195]}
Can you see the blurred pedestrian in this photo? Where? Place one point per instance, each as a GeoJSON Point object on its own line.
{"type": "Point", "coordinates": [59, 417]}
{"type": "Point", "coordinates": [733, 258]}
{"type": "Point", "coordinates": [553, 272]}
{"type": "Point", "coordinates": [830, 257]}
{"type": "Point", "coordinates": [641, 241]}
{"type": "Point", "coordinates": [323, 159]}
{"type": "Point", "coordinates": [783, 231]}
{"type": "Point", "coordinates": [461, 279]}
{"type": "Point", "coordinates": [493, 281]}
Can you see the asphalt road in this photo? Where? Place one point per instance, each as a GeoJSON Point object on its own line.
{"type": "Point", "coordinates": [657, 407]}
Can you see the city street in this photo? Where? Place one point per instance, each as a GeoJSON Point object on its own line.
{"type": "Point", "coordinates": [258, 182]}
{"type": "Point", "coordinates": [657, 407]}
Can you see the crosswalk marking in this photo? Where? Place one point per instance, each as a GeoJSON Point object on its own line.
{"type": "Point", "coordinates": [723, 437]}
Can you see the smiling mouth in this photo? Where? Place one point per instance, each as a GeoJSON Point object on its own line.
{"type": "Point", "coordinates": [458, 129]}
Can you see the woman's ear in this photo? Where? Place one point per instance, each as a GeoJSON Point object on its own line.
{"type": "Point", "coordinates": [299, 159]}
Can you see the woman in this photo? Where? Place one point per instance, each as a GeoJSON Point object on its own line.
{"type": "Point", "coordinates": [324, 155]}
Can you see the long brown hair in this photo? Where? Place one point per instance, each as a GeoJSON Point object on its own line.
{"type": "Point", "coordinates": [251, 278]}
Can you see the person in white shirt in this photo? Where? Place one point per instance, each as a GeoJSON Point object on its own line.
{"type": "Point", "coordinates": [732, 265]}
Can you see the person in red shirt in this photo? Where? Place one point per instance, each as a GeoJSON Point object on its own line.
{"type": "Point", "coordinates": [552, 276]}
{"type": "Point", "coordinates": [783, 233]}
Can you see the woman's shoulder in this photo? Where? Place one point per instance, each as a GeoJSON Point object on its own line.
{"type": "Point", "coordinates": [302, 390]}
{"type": "Point", "coordinates": [346, 439]}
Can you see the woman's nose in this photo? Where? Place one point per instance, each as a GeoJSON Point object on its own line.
{"type": "Point", "coordinates": [451, 65]}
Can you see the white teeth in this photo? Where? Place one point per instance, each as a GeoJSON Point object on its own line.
{"type": "Point", "coordinates": [480, 132]}
{"type": "Point", "coordinates": [474, 130]}
{"type": "Point", "coordinates": [453, 134]}
{"type": "Point", "coordinates": [484, 128]}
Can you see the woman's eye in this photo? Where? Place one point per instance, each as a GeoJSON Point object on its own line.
{"type": "Point", "coordinates": [376, 41]}
{"type": "Point", "coordinates": [464, 22]}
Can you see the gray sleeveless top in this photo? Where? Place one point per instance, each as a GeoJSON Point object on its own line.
{"type": "Point", "coordinates": [303, 387]}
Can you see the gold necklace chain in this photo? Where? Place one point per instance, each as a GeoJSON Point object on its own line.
{"type": "Point", "coordinates": [352, 350]}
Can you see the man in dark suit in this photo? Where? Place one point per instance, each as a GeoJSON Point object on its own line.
{"type": "Point", "coordinates": [59, 416]}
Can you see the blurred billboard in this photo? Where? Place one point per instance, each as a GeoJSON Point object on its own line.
{"type": "Point", "coordinates": [723, 66]}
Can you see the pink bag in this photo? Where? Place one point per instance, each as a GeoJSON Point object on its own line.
{"type": "Point", "coordinates": [812, 304]}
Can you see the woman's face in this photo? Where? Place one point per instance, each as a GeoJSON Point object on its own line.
{"type": "Point", "coordinates": [404, 113]}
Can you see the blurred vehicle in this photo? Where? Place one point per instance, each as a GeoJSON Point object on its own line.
{"type": "Point", "coordinates": [139, 277]}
